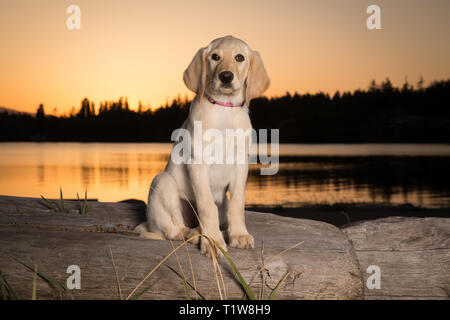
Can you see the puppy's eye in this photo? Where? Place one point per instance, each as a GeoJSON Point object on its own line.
{"type": "Point", "coordinates": [215, 57]}
{"type": "Point", "coordinates": [239, 58]}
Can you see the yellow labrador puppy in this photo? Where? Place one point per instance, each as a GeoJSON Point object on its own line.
{"type": "Point", "coordinates": [198, 196]}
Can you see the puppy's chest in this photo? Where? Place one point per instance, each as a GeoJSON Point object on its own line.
{"type": "Point", "coordinates": [224, 134]}
{"type": "Point", "coordinates": [223, 118]}
{"type": "Point", "coordinates": [220, 175]}
{"type": "Point", "coordinates": [228, 132]}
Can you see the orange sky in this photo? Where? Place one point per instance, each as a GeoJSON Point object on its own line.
{"type": "Point", "coordinates": [139, 49]}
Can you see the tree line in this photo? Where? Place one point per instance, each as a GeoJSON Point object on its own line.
{"type": "Point", "coordinates": [380, 113]}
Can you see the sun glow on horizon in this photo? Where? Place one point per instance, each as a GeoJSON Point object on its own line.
{"type": "Point", "coordinates": [139, 50]}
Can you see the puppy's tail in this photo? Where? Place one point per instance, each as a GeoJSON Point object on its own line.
{"type": "Point", "coordinates": [144, 233]}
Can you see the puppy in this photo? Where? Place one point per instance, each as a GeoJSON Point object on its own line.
{"type": "Point", "coordinates": [197, 196]}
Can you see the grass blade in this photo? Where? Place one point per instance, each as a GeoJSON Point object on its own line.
{"type": "Point", "coordinates": [187, 282]}
{"type": "Point", "coordinates": [48, 279]}
{"type": "Point", "coordinates": [159, 264]}
{"type": "Point", "coordinates": [192, 271]}
{"type": "Point", "coordinates": [186, 290]}
{"type": "Point", "coordinates": [223, 282]}
{"type": "Point", "coordinates": [61, 199]}
{"type": "Point", "coordinates": [5, 285]}
{"type": "Point", "coordinates": [48, 204]}
{"type": "Point", "coordinates": [261, 292]}
{"type": "Point", "coordinates": [137, 295]}
{"type": "Point", "coordinates": [244, 285]}
{"type": "Point", "coordinates": [79, 203]}
{"type": "Point", "coordinates": [117, 276]}
{"type": "Point", "coordinates": [346, 215]}
{"type": "Point", "coordinates": [273, 258]}
{"type": "Point", "coordinates": [275, 290]}
{"type": "Point", "coordinates": [85, 207]}
{"type": "Point", "coordinates": [33, 293]}
{"type": "Point", "coordinates": [3, 290]}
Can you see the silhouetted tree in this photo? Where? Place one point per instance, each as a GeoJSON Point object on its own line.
{"type": "Point", "coordinates": [386, 86]}
{"type": "Point", "coordinates": [373, 86]}
{"type": "Point", "coordinates": [85, 110]}
{"type": "Point", "coordinates": [40, 113]}
{"type": "Point", "coordinates": [92, 109]}
{"type": "Point", "coordinates": [406, 87]}
{"type": "Point", "coordinates": [382, 113]}
{"type": "Point", "coordinates": [420, 83]}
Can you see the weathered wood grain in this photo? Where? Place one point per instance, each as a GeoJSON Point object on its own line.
{"type": "Point", "coordinates": [324, 266]}
{"type": "Point", "coordinates": [413, 255]}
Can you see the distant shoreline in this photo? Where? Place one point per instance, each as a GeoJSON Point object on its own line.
{"type": "Point", "coordinates": [341, 214]}
{"type": "Point", "coordinates": [285, 143]}
{"type": "Point", "coordinates": [380, 114]}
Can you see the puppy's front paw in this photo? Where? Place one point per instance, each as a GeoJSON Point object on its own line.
{"type": "Point", "coordinates": [241, 241]}
{"type": "Point", "coordinates": [205, 247]}
{"type": "Point", "coordinates": [192, 233]}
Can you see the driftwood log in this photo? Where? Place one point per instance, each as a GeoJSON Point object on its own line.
{"type": "Point", "coordinates": [413, 255]}
{"type": "Point", "coordinates": [330, 263]}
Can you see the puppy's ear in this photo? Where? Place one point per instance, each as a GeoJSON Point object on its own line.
{"type": "Point", "coordinates": [257, 79]}
{"type": "Point", "coordinates": [195, 75]}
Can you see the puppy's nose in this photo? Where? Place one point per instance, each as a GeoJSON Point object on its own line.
{"type": "Point", "coordinates": [226, 76]}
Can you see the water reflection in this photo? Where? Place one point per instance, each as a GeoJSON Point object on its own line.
{"type": "Point", "coordinates": [311, 174]}
{"type": "Point", "coordinates": [422, 181]}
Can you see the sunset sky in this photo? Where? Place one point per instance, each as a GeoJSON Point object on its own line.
{"type": "Point", "coordinates": [139, 49]}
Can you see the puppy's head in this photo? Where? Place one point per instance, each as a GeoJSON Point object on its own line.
{"type": "Point", "coordinates": [227, 66]}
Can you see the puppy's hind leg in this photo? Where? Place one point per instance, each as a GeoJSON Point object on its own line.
{"type": "Point", "coordinates": [164, 212]}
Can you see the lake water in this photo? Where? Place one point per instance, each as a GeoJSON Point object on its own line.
{"type": "Point", "coordinates": [308, 174]}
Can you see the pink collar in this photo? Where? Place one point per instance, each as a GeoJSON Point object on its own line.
{"type": "Point", "coordinates": [223, 104]}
